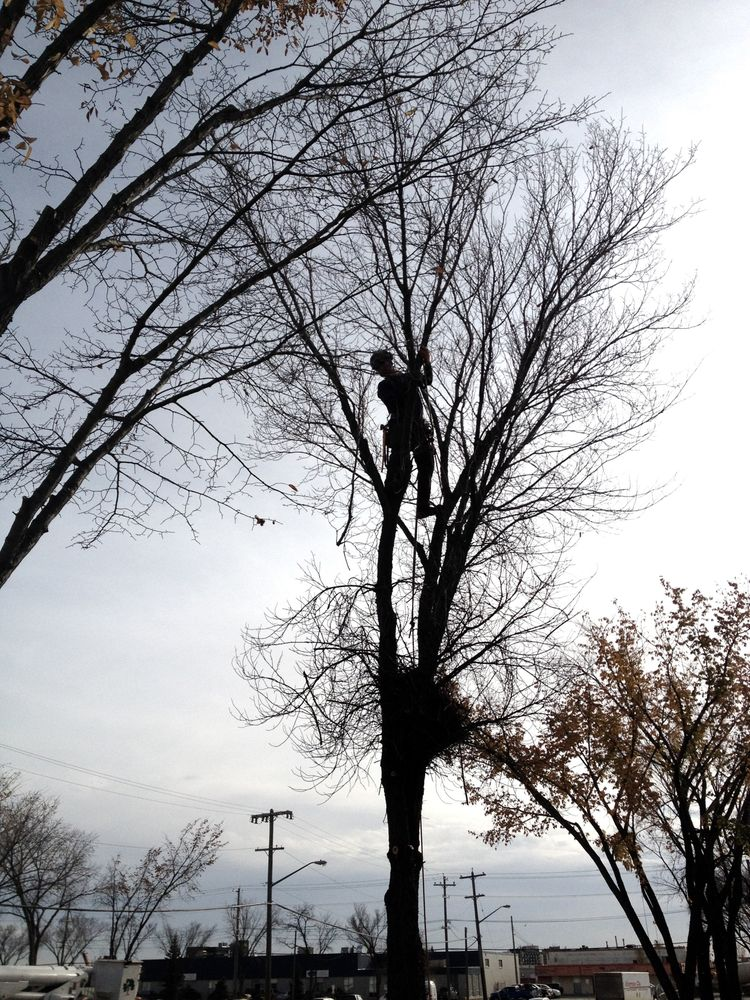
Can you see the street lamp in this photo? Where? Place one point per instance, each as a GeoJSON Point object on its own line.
{"type": "Point", "coordinates": [506, 906]}
{"type": "Point", "coordinates": [269, 916]}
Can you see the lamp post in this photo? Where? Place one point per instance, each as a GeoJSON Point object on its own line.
{"type": "Point", "coordinates": [269, 917]}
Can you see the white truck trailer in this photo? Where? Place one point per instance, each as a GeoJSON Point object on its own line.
{"type": "Point", "coordinates": [622, 986]}
{"type": "Point", "coordinates": [108, 979]}
{"type": "Point", "coordinates": [36, 981]}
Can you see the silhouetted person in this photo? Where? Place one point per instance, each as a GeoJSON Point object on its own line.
{"type": "Point", "coordinates": [407, 431]}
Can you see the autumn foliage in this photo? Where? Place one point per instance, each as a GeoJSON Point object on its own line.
{"type": "Point", "coordinates": [643, 757]}
{"type": "Point", "coordinates": [123, 40]}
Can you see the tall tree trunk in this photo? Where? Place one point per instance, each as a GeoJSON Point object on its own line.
{"type": "Point", "coordinates": [403, 759]}
{"type": "Point", "coordinates": [403, 786]}
{"type": "Point", "coordinates": [705, 977]}
{"type": "Point", "coordinates": [725, 962]}
{"type": "Point", "coordinates": [695, 947]}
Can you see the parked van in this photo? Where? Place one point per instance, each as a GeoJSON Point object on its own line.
{"type": "Point", "coordinates": [622, 986]}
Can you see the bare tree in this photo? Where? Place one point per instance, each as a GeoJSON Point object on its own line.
{"type": "Point", "coordinates": [133, 895]}
{"type": "Point", "coordinates": [46, 862]}
{"type": "Point", "coordinates": [176, 941]}
{"type": "Point", "coordinates": [147, 228]}
{"type": "Point", "coordinates": [367, 929]}
{"type": "Point", "coordinates": [8, 785]}
{"type": "Point", "coordinates": [12, 943]}
{"type": "Point", "coordinates": [529, 274]}
{"type": "Point", "coordinates": [71, 935]}
{"type": "Point", "coordinates": [311, 930]}
{"type": "Point", "coordinates": [246, 923]}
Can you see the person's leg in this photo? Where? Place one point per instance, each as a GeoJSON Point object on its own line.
{"type": "Point", "coordinates": [425, 462]}
{"type": "Point", "coordinates": [398, 470]}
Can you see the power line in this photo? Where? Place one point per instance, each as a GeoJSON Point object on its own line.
{"type": "Point", "coordinates": [144, 786]}
{"type": "Point", "coordinates": [125, 795]}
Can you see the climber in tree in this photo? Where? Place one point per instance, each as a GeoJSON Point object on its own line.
{"type": "Point", "coordinates": [407, 432]}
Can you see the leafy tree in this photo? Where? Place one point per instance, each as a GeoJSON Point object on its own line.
{"type": "Point", "coordinates": [12, 944]}
{"type": "Point", "coordinates": [528, 272]}
{"type": "Point", "coordinates": [71, 935]}
{"type": "Point", "coordinates": [46, 864]}
{"type": "Point", "coordinates": [195, 175]}
{"type": "Point", "coordinates": [133, 895]}
{"type": "Point", "coordinates": [644, 756]}
{"type": "Point", "coordinates": [119, 45]}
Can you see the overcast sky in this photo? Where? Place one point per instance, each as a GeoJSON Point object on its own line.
{"type": "Point", "coordinates": [119, 660]}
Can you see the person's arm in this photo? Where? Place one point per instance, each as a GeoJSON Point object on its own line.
{"type": "Point", "coordinates": [424, 356]}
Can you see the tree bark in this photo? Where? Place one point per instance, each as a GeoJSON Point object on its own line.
{"type": "Point", "coordinates": [403, 786]}
{"type": "Point", "coordinates": [403, 760]}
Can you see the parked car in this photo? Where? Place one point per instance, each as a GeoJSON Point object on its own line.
{"type": "Point", "coordinates": [521, 991]}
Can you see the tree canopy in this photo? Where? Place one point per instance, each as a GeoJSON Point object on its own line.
{"type": "Point", "coordinates": [529, 271]}
{"type": "Point", "coordinates": [50, 883]}
{"type": "Point", "coordinates": [133, 894]}
{"type": "Point", "coordinates": [46, 865]}
{"type": "Point", "coordinates": [139, 237]}
{"type": "Point", "coordinates": [643, 758]}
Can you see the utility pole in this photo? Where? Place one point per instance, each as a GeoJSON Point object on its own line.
{"type": "Point", "coordinates": [269, 818]}
{"type": "Point", "coordinates": [236, 949]}
{"type": "Point", "coordinates": [466, 960]}
{"type": "Point", "coordinates": [294, 967]}
{"type": "Point", "coordinates": [445, 884]}
{"type": "Point", "coordinates": [475, 896]}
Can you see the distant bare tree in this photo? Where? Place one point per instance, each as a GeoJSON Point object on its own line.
{"type": "Point", "coordinates": [46, 863]}
{"type": "Point", "coordinates": [8, 785]}
{"type": "Point", "coordinates": [314, 931]}
{"type": "Point", "coordinates": [71, 935]}
{"type": "Point", "coordinates": [12, 943]}
{"type": "Point", "coordinates": [133, 895]}
{"type": "Point", "coordinates": [175, 941]}
{"type": "Point", "coordinates": [246, 923]}
{"type": "Point", "coordinates": [368, 929]}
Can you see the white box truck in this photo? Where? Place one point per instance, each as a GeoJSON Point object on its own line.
{"type": "Point", "coordinates": [622, 986]}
